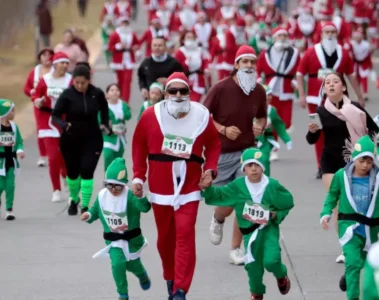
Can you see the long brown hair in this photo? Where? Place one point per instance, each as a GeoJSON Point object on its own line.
{"type": "Point", "coordinates": [342, 78]}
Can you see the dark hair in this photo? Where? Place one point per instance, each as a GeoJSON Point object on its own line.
{"type": "Point", "coordinates": [112, 84]}
{"type": "Point", "coordinates": [182, 37]}
{"type": "Point", "coordinates": [160, 37]}
{"type": "Point", "coordinates": [342, 78]}
{"type": "Point", "coordinates": [84, 63]}
{"type": "Point", "coordinates": [82, 70]}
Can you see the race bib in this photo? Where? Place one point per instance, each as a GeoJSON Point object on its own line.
{"type": "Point", "coordinates": [117, 223]}
{"type": "Point", "coordinates": [322, 73]}
{"type": "Point", "coordinates": [256, 213]}
{"type": "Point", "coordinates": [119, 127]}
{"type": "Point", "coordinates": [177, 146]}
{"type": "Point", "coordinates": [299, 44]}
{"type": "Point", "coordinates": [7, 139]}
{"type": "Point", "coordinates": [54, 93]}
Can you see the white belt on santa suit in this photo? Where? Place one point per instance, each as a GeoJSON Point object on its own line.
{"type": "Point", "coordinates": [175, 202]}
{"type": "Point", "coordinates": [124, 245]}
{"type": "Point", "coordinates": [249, 258]}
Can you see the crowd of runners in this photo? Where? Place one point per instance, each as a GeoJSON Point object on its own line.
{"type": "Point", "coordinates": [218, 81]}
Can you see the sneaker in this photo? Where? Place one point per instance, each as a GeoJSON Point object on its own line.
{"type": "Point", "coordinates": [170, 289]}
{"type": "Point", "coordinates": [215, 232]}
{"type": "Point", "coordinates": [179, 295]}
{"type": "Point", "coordinates": [123, 297]}
{"type": "Point", "coordinates": [284, 285]}
{"type": "Point", "coordinates": [237, 257]}
{"type": "Point", "coordinates": [41, 162]}
{"type": "Point", "coordinates": [9, 215]}
{"type": "Point", "coordinates": [144, 282]}
{"type": "Point", "coordinates": [319, 174]}
{"type": "Point", "coordinates": [274, 156]}
{"type": "Point", "coordinates": [342, 284]}
{"type": "Point", "coordinates": [340, 259]}
{"type": "Point", "coordinates": [57, 197]}
{"type": "Point", "coordinates": [256, 297]}
{"type": "Point", "coordinates": [73, 208]}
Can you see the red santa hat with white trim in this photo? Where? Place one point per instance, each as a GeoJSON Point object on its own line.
{"type": "Point", "coordinates": [155, 19]}
{"type": "Point", "coordinates": [240, 23]}
{"type": "Point", "coordinates": [177, 77]}
{"type": "Point", "coordinates": [122, 19]}
{"type": "Point", "coordinates": [328, 26]}
{"type": "Point", "coordinates": [279, 30]}
{"type": "Point", "coordinates": [245, 51]}
{"type": "Point", "coordinates": [60, 57]}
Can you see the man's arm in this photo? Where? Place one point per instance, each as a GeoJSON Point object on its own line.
{"type": "Point", "coordinates": [142, 82]}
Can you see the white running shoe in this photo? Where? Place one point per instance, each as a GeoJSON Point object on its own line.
{"type": "Point", "coordinates": [236, 257]}
{"type": "Point", "coordinates": [216, 231]}
{"type": "Point", "coordinates": [57, 197]}
{"type": "Point", "coordinates": [340, 259]}
{"type": "Point", "coordinates": [274, 155]}
{"type": "Point", "coordinates": [41, 162]}
{"type": "Point", "coordinates": [9, 216]}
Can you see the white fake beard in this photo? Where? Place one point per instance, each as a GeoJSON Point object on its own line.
{"type": "Point", "coordinates": [247, 81]}
{"type": "Point", "coordinates": [329, 45]}
{"type": "Point", "coordinates": [175, 108]}
{"type": "Point", "coordinates": [124, 29]}
{"type": "Point", "coordinates": [281, 45]}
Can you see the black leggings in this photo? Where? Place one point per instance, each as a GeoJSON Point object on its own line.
{"type": "Point", "coordinates": [81, 154]}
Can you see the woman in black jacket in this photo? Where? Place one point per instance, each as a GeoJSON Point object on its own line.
{"type": "Point", "coordinates": [342, 122]}
{"type": "Point", "coordinates": [81, 141]}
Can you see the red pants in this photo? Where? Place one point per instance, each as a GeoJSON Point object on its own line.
{"type": "Point", "coordinates": [320, 143]}
{"type": "Point", "coordinates": [176, 242]}
{"type": "Point", "coordinates": [41, 145]}
{"type": "Point", "coordinates": [56, 162]}
{"type": "Point", "coordinates": [195, 96]}
{"type": "Point", "coordinates": [284, 109]}
{"type": "Point", "coordinates": [124, 79]}
{"type": "Point", "coordinates": [363, 82]}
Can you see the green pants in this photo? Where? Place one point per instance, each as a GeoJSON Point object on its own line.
{"type": "Point", "coordinates": [7, 184]}
{"type": "Point", "coordinates": [355, 259]}
{"type": "Point", "coordinates": [110, 155]}
{"type": "Point", "coordinates": [120, 266]}
{"type": "Point", "coordinates": [267, 254]}
{"type": "Point", "coordinates": [266, 149]}
{"type": "Point", "coordinates": [370, 286]}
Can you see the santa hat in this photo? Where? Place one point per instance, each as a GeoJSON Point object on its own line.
{"type": "Point", "coordinates": [201, 14]}
{"type": "Point", "coordinates": [252, 155]}
{"type": "Point", "coordinates": [328, 26]}
{"type": "Point", "coordinates": [327, 13]}
{"type": "Point", "coordinates": [308, 8]}
{"type": "Point", "coordinates": [279, 30]}
{"type": "Point", "coordinates": [245, 51]}
{"type": "Point", "coordinates": [5, 107]}
{"type": "Point", "coordinates": [240, 22]}
{"type": "Point", "coordinates": [122, 19]}
{"type": "Point", "coordinates": [177, 77]}
{"type": "Point", "coordinates": [116, 172]}
{"type": "Point", "coordinates": [43, 51]}
{"type": "Point", "coordinates": [249, 17]}
{"type": "Point", "coordinates": [60, 57]}
{"type": "Point", "coordinates": [155, 18]}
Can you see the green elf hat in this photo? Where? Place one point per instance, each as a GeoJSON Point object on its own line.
{"type": "Point", "coordinates": [267, 89]}
{"type": "Point", "coordinates": [364, 147]}
{"type": "Point", "coordinates": [156, 85]}
{"type": "Point", "coordinates": [5, 107]}
{"type": "Point", "coordinates": [117, 172]}
{"type": "Point", "coordinates": [252, 155]}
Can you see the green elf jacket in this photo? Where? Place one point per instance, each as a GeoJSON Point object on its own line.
{"type": "Point", "coordinates": [340, 191]}
{"type": "Point", "coordinates": [120, 216]}
{"type": "Point", "coordinates": [17, 147]}
{"type": "Point", "coordinates": [274, 123]}
{"type": "Point", "coordinates": [144, 106]}
{"type": "Point", "coordinates": [370, 282]}
{"type": "Point", "coordinates": [106, 31]}
{"type": "Point", "coordinates": [236, 194]}
{"type": "Point", "coordinates": [260, 45]}
{"type": "Point", "coordinates": [118, 114]}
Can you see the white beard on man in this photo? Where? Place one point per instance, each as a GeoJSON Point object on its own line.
{"type": "Point", "coordinates": [247, 79]}
{"type": "Point", "coordinates": [329, 45]}
{"type": "Point", "coordinates": [281, 45]}
{"type": "Point", "coordinates": [176, 106]}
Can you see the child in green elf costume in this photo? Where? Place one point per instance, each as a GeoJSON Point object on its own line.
{"type": "Point", "coordinates": [119, 212]}
{"type": "Point", "coordinates": [106, 30]}
{"type": "Point", "coordinates": [11, 149]}
{"type": "Point", "coordinates": [155, 95]}
{"type": "Point", "coordinates": [370, 276]}
{"type": "Point", "coordinates": [262, 40]}
{"type": "Point", "coordinates": [261, 204]}
{"type": "Point", "coordinates": [266, 142]}
{"type": "Point", "coordinates": [355, 190]}
{"type": "Point", "coordinates": [119, 113]}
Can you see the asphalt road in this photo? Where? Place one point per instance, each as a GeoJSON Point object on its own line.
{"type": "Point", "coordinates": [45, 254]}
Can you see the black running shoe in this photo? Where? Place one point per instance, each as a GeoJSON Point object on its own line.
{"type": "Point", "coordinates": [170, 288]}
{"type": "Point", "coordinates": [342, 284]}
{"type": "Point", "coordinates": [73, 208]}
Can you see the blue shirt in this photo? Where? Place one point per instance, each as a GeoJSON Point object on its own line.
{"type": "Point", "coordinates": [361, 195]}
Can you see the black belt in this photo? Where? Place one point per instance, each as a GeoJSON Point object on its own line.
{"type": "Point", "coordinates": [169, 158]}
{"type": "Point", "coordinates": [6, 155]}
{"type": "Point", "coordinates": [250, 229]}
{"type": "Point", "coordinates": [126, 236]}
{"type": "Point", "coordinates": [312, 75]}
{"type": "Point", "coordinates": [371, 222]}
{"type": "Point", "coordinates": [281, 75]}
{"type": "Point", "coordinates": [195, 72]}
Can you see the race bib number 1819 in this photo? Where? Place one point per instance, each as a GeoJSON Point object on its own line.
{"type": "Point", "coordinates": [256, 213]}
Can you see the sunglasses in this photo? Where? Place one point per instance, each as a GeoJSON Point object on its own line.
{"type": "Point", "coordinates": [174, 91]}
{"type": "Point", "coordinates": [111, 186]}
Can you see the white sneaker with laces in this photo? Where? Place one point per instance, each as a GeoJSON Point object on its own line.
{"type": "Point", "coordinates": [57, 197]}
{"type": "Point", "coordinates": [9, 216]}
{"type": "Point", "coordinates": [274, 156]}
{"type": "Point", "coordinates": [216, 231]}
{"type": "Point", "coordinates": [41, 162]}
{"type": "Point", "coordinates": [340, 259]}
{"type": "Point", "coordinates": [236, 257]}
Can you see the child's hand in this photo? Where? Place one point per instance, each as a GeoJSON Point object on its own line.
{"type": "Point", "coordinates": [325, 223]}
{"type": "Point", "coordinates": [21, 155]}
{"type": "Point", "coordinates": [137, 190]}
{"type": "Point", "coordinates": [205, 180]}
{"type": "Point", "coordinates": [84, 216]}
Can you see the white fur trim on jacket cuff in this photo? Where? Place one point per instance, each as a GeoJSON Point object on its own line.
{"type": "Point", "coordinates": [137, 180]}
{"type": "Point", "coordinates": [324, 217]}
{"type": "Point", "coordinates": [90, 216]}
{"type": "Point", "coordinates": [118, 46]}
{"type": "Point", "coordinates": [19, 151]}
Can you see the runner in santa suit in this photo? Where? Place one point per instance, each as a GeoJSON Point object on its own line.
{"type": "Point", "coordinates": [186, 18]}
{"type": "Point", "coordinates": [123, 43]}
{"type": "Point", "coordinates": [45, 58]}
{"type": "Point", "coordinates": [47, 92]}
{"type": "Point", "coordinates": [165, 16]}
{"type": "Point", "coordinates": [269, 14]}
{"type": "Point", "coordinates": [169, 143]}
{"type": "Point", "coordinates": [156, 29]}
{"type": "Point", "coordinates": [227, 12]}
{"type": "Point", "coordinates": [109, 9]}
{"type": "Point", "coordinates": [217, 50]}
{"type": "Point", "coordinates": [316, 63]}
{"type": "Point", "coordinates": [262, 39]}
{"type": "Point", "coordinates": [151, 6]}
{"type": "Point", "coordinates": [361, 53]}
{"type": "Point", "coordinates": [123, 9]}
{"type": "Point", "coordinates": [195, 62]}
{"type": "Point", "coordinates": [277, 66]}
{"type": "Point", "coordinates": [204, 30]}
{"type": "Point", "coordinates": [211, 7]}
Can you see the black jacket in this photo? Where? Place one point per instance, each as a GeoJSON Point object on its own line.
{"type": "Point", "coordinates": [81, 110]}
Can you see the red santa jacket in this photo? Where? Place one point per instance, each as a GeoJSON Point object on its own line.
{"type": "Point", "coordinates": [217, 52]}
{"type": "Point", "coordinates": [361, 54]}
{"type": "Point", "coordinates": [342, 27]}
{"type": "Point", "coordinates": [32, 80]}
{"type": "Point", "coordinates": [123, 59]}
{"type": "Point", "coordinates": [283, 79]}
{"type": "Point", "coordinates": [313, 64]}
{"type": "Point", "coordinates": [232, 45]}
{"type": "Point", "coordinates": [147, 144]}
{"type": "Point", "coordinates": [166, 18]}
{"type": "Point", "coordinates": [302, 31]}
{"type": "Point", "coordinates": [148, 36]}
{"type": "Point", "coordinates": [108, 9]}
{"type": "Point", "coordinates": [225, 13]}
{"type": "Point", "coordinates": [51, 89]}
{"type": "Point", "coordinates": [123, 9]}
{"type": "Point", "coordinates": [194, 63]}
{"type": "Point", "coordinates": [205, 33]}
